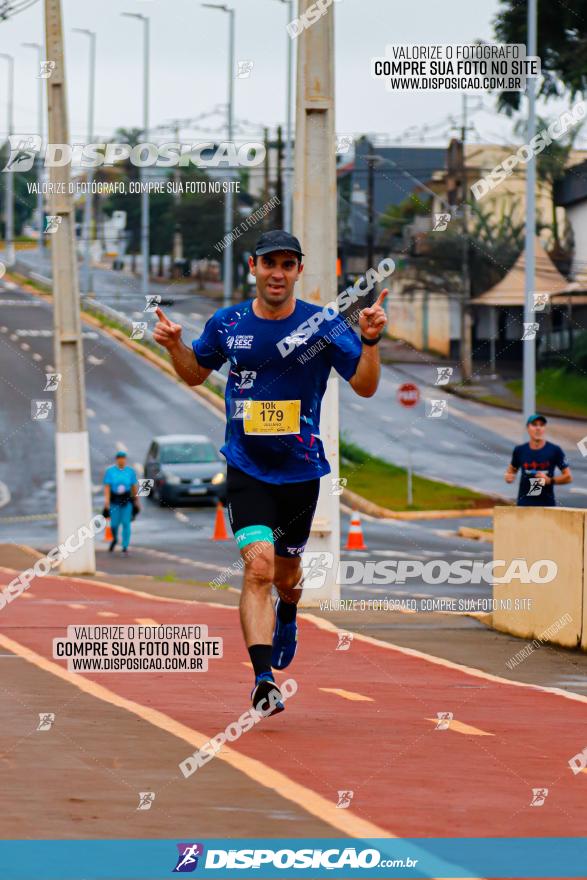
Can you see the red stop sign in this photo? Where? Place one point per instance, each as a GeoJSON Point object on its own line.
{"type": "Point", "coordinates": [408, 394]}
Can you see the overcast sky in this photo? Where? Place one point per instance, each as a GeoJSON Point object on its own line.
{"type": "Point", "coordinates": [189, 65]}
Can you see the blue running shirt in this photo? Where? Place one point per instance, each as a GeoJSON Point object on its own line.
{"type": "Point", "coordinates": [120, 480]}
{"type": "Point", "coordinates": [286, 364]}
{"type": "Point", "coordinates": [530, 462]}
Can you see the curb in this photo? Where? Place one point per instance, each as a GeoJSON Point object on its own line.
{"type": "Point", "coordinates": [141, 350]}
{"type": "Point", "coordinates": [357, 502]}
{"type": "Point", "coordinates": [458, 391]}
{"type": "Point", "coordinates": [551, 413]}
{"type": "Point", "coordinates": [475, 534]}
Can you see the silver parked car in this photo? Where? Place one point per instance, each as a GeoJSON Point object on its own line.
{"type": "Point", "coordinates": [185, 467]}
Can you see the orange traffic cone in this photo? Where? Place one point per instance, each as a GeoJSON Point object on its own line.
{"type": "Point", "coordinates": [355, 539]}
{"type": "Point", "coordinates": [108, 536]}
{"type": "Point", "coordinates": [220, 533]}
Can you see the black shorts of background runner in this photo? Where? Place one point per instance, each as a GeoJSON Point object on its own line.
{"type": "Point", "coordinates": [286, 509]}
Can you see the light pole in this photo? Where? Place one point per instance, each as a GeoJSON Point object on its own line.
{"type": "Point", "coordinates": [529, 345]}
{"type": "Point", "coordinates": [143, 176]}
{"type": "Point", "coordinates": [288, 175]}
{"type": "Point", "coordinates": [39, 49]}
{"type": "Point", "coordinates": [90, 175]}
{"type": "Point", "coordinates": [228, 201]}
{"type": "Point", "coordinates": [9, 203]}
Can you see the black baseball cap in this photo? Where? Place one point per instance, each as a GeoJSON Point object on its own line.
{"type": "Point", "coordinates": [277, 240]}
{"type": "Point", "coordinates": [536, 417]}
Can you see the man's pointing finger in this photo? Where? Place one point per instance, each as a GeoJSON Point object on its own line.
{"type": "Point", "coordinates": [381, 297]}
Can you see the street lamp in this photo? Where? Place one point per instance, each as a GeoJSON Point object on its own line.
{"type": "Point", "coordinates": [90, 174]}
{"type": "Point", "coordinates": [39, 49]}
{"type": "Point", "coordinates": [144, 192]}
{"type": "Point", "coordinates": [288, 170]}
{"type": "Point", "coordinates": [228, 201]}
{"type": "Point", "coordinates": [9, 204]}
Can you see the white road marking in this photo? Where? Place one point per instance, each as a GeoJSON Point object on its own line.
{"type": "Point", "coordinates": [120, 446]}
{"type": "Point", "coordinates": [182, 559]}
{"type": "Point", "coordinates": [388, 419]}
{"type": "Point", "coordinates": [3, 329]}
{"type": "Point", "coordinates": [25, 346]}
{"type": "Point", "coordinates": [398, 553]}
{"type": "Point", "coordinates": [448, 444]}
{"type": "Point", "coordinates": [94, 361]}
{"type": "Point", "coordinates": [14, 337]}
{"type": "Point", "coordinates": [49, 368]}
{"type": "Point", "coordinates": [105, 429]}
{"type": "Point", "coordinates": [417, 432]}
{"type": "Point", "coordinates": [357, 406]}
{"type": "Point", "coordinates": [578, 490]}
{"type": "Point", "coordinates": [37, 357]}
{"type": "Point", "coordinates": [139, 468]}
{"type": "Point", "coordinates": [181, 516]}
{"type": "Point", "coordinates": [90, 413]}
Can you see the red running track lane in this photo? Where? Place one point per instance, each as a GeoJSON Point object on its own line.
{"type": "Point", "coordinates": [407, 777]}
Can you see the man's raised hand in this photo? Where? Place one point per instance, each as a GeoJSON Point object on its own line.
{"type": "Point", "coordinates": [373, 320]}
{"type": "Point", "coordinates": [166, 333]}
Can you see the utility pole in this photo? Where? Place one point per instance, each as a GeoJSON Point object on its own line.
{"type": "Point", "coordinates": [529, 345]}
{"type": "Point", "coordinates": [315, 225]}
{"type": "Point", "coordinates": [288, 170]}
{"type": "Point", "coordinates": [266, 173]}
{"type": "Point", "coordinates": [74, 495]}
{"type": "Point", "coordinates": [279, 181]}
{"type": "Point", "coordinates": [145, 256]}
{"type": "Point", "coordinates": [9, 192]}
{"type": "Point", "coordinates": [227, 259]}
{"type": "Point", "coordinates": [90, 174]}
{"type": "Point", "coordinates": [466, 319]}
{"type": "Point", "coordinates": [39, 159]}
{"type": "Point", "coordinates": [228, 202]}
{"type": "Point", "coordinates": [177, 236]}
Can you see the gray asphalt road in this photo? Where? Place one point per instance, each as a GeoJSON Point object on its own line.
{"type": "Point", "coordinates": [469, 446]}
{"type": "Point", "coordinates": [129, 402]}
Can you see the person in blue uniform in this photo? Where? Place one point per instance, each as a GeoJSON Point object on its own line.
{"type": "Point", "coordinates": [121, 503]}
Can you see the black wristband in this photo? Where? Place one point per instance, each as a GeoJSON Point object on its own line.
{"type": "Point", "coordinates": [371, 341]}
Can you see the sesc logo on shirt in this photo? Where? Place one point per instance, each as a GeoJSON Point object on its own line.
{"type": "Point", "coordinates": [239, 341]}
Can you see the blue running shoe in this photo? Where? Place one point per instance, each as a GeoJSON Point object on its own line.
{"type": "Point", "coordinates": [266, 696]}
{"type": "Point", "coordinates": [285, 641]}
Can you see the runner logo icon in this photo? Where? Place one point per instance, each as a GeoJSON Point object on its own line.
{"type": "Point", "coordinates": [187, 860]}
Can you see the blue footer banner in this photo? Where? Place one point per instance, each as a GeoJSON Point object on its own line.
{"type": "Point", "coordinates": [294, 857]}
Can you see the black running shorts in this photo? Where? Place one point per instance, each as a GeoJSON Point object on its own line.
{"type": "Point", "coordinates": [279, 513]}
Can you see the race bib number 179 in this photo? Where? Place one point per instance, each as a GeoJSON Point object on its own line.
{"type": "Point", "coordinates": [271, 417]}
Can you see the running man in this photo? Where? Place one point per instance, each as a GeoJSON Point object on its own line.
{"type": "Point", "coordinates": [281, 351]}
{"type": "Point", "coordinates": [538, 460]}
{"type": "Point", "coordinates": [121, 501]}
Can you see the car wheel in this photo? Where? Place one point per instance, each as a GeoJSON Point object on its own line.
{"type": "Point", "coordinates": [158, 496]}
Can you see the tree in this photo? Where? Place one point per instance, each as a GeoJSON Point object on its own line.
{"type": "Point", "coordinates": [395, 217]}
{"type": "Point", "coordinates": [495, 244]}
{"type": "Point", "coordinates": [561, 45]}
